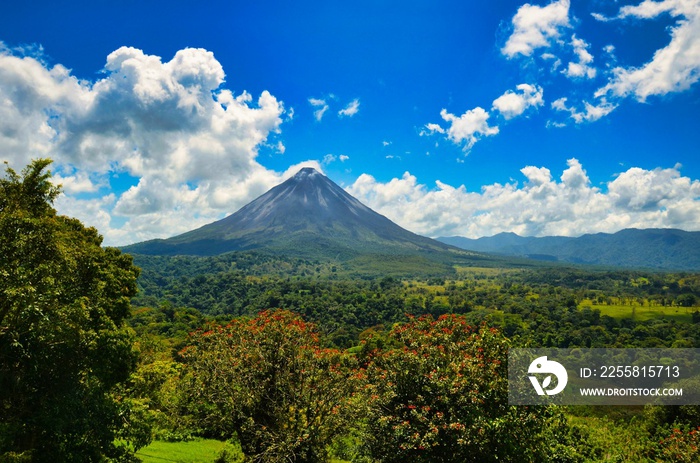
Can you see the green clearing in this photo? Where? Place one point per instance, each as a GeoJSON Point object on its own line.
{"type": "Point", "coordinates": [641, 313]}
{"type": "Point", "coordinates": [485, 272]}
{"type": "Point", "coordinates": [196, 451]}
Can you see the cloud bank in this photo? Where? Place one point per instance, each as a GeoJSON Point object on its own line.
{"type": "Point", "coordinates": [541, 205]}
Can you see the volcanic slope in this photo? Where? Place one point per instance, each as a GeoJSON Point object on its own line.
{"type": "Point", "coordinates": [306, 215]}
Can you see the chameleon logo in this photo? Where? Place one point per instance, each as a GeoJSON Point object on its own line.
{"type": "Point", "coordinates": [549, 367]}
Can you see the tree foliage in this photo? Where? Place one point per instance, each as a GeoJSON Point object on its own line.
{"type": "Point", "coordinates": [442, 397]}
{"type": "Point", "coordinates": [268, 381]}
{"type": "Point", "coordinates": [680, 446]}
{"type": "Point", "coordinates": [63, 343]}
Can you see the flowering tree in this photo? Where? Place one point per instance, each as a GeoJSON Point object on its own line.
{"type": "Point", "coordinates": [680, 446]}
{"type": "Point", "coordinates": [442, 397]}
{"type": "Point", "coordinates": [268, 381]}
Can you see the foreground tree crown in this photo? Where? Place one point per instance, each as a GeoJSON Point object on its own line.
{"type": "Point", "coordinates": [63, 343]}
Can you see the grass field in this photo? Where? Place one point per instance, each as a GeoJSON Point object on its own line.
{"type": "Point", "coordinates": [197, 451]}
{"type": "Point", "coordinates": [643, 312]}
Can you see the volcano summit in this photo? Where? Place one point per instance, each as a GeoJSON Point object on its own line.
{"type": "Point", "coordinates": [307, 214]}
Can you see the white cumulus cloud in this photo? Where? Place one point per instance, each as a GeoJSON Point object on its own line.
{"type": "Point", "coordinates": [29, 91]}
{"type": "Point", "coordinates": [673, 68]}
{"type": "Point", "coordinates": [466, 129]}
{"type": "Point", "coordinates": [351, 109]}
{"type": "Point", "coordinates": [188, 143]}
{"type": "Point", "coordinates": [321, 107]}
{"type": "Point", "coordinates": [581, 68]}
{"type": "Point", "coordinates": [512, 104]}
{"type": "Point", "coordinates": [589, 113]}
{"type": "Point", "coordinates": [536, 27]}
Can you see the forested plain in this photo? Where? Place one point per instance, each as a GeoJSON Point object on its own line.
{"type": "Point", "coordinates": [367, 319]}
{"type": "Point", "coordinates": [311, 360]}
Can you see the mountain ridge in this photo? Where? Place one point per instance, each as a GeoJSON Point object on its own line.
{"type": "Point", "coordinates": [650, 248]}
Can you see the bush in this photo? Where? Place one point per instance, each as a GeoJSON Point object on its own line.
{"type": "Point", "coordinates": [13, 457]}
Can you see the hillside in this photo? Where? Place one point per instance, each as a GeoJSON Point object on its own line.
{"type": "Point", "coordinates": [659, 249]}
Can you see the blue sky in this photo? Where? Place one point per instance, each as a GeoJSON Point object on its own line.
{"type": "Point", "coordinates": [450, 117]}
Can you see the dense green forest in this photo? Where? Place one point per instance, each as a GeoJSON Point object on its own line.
{"type": "Point", "coordinates": [547, 307]}
{"type": "Point", "coordinates": [287, 359]}
{"type": "Point", "coordinates": [368, 317]}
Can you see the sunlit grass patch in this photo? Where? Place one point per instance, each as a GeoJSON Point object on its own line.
{"type": "Point", "coordinates": [642, 313]}
{"type": "Point", "coordinates": [197, 451]}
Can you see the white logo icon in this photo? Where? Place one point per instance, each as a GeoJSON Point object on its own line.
{"type": "Point", "coordinates": [550, 367]}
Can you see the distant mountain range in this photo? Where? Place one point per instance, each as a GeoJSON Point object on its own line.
{"type": "Point", "coordinates": [653, 248]}
{"type": "Point", "coordinates": [306, 215]}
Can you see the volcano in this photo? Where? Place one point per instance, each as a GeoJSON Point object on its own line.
{"type": "Point", "coordinates": [307, 214]}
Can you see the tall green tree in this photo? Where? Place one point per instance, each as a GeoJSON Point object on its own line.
{"type": "Point", "coordinates": [63, 343]}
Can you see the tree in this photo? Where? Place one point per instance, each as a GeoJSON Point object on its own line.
{"type": "Point", "coordinates": [63, 343]}
{"type": "Point", "coordinates": [267, 381]}
{"type": "Point", "coordinates": [442, 397]}
{"type": "Point", "coordinates": [686, 300]}
{"type": "Point", "coordinates": [678, 446]}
